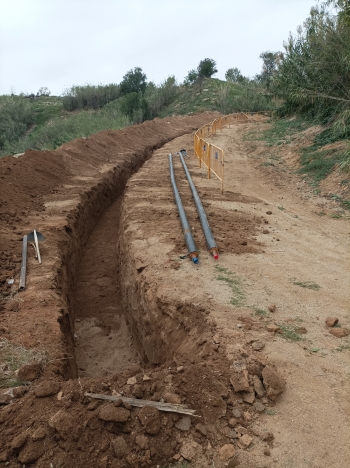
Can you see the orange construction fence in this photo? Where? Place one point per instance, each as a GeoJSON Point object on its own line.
{"type": "Point", "coordinates": [211, 155]}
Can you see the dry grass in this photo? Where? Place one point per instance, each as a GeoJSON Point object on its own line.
{"type": "Point", "coordinates": [12, 357]}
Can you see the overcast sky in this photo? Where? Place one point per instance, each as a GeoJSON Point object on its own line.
{"type": "Point", "coordinates": [60, 43]}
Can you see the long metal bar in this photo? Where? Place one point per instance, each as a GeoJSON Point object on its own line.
{"type": "Point", "coordinates": [22, 279]}
{"type": "Point", "coordinates": [191, 246]}
{"type": "Point", "coordinates": [202, 216]}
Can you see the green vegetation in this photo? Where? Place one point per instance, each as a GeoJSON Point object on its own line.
{"type": "Point", "coordinates": [12, 357]}
{"type": "Point", "coordinates": [289, 333]}
{"type": "Point", "coordinates": [259, 311]}
{"type": "Point", "coordinates": [313, 77]}
{"type": "Point", "coordinates": [90, 96]}
{"type": "Point", "coordinates": [235, 284]}
{"type": "Point", "coordinates": [307, 285]}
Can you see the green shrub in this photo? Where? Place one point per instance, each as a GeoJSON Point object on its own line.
{"type": "Point", "coordinates": [90, 96]}
{"type": "Point", "coordinates": [16, 116]}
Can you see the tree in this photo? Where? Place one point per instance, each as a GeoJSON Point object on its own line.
{"type": "Point", "coordinates": [191, 77]}
{"type": "Point", "coordinates": [134, 81]}
{"type": "Point", "coordinates": [43, 91]}
{"type": "Point", "coordinates": [206, 68]}
{"type": "Point", "coordinates": [270, 63]}
{"type": "Point", "coordinates": [234, 75]}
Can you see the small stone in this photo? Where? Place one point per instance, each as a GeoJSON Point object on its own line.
{"type": "Point", "coordinates": [232, 422]}
{"type": "Point", "coordinates": [259, 407]}
{"type": "Point", "coordinates": [267, 452]}
{"type": "Point", "coordinates": [230, 433]}
{"type": "Point", "coordinates": [258, 345]}
{"type": "Point", "coordinates": [338, 332]}
{"type": "Point", "coordinates": [127, 405]}
{"type": "Point", "coordinates": [47, 388]}
{"type": "Point", "coordinates": [258, 386]}
{"type": "Point", "coordinates": [272, 308]}
{"type": "Point", "coordinates": [39, 434]}
{"type": "Point", "coordinates": [93, 405]}
{"type": "Point", "coordinates": [150, 419]}
{"type": "Point", "coordinates": [137, 391]}
{"type": "Point", "coordinates": [172, 398]}
{"type": "Point", "coordinates": [111, 413]}
{"type": "Point", "coordinates": [265, 231]}
{"type": "Point", "coordinates": [273, 382]}
{"type": "Point", "coordinates": [245, 440]}
{"type": "Point", "coordinates": [273, 328]}
{"type": "Point", "coordinates": [119, 447]}
{"type": "Point", "coordinates": [142, 441]}
{"type": "Point", "coordinates": [249, 397]}
{"type": "Point", "coordinates": [30, 372]}
{"type": "Point", "coordinates": [201, 429]}
{"type": "Point", "coordinates": [184, 423]}
{"type": "Point", "coordinates": [247, 416]}
{"type": "Point", "coordinates": [59, 396]}
{"type": "Point", "coordinates": [226, 452]}
{"type": "Point", "coordinates": [331, 321]}
{"type": "Point", "coordinates": [269, 212]}
{"type": "Point", "coordinates": [241, 430]}
{"type": "Point", "coordinates": [237, 413]}
{"type": "Point", "coordinates": [145, 378]}
{"type": "Point", "coordinates": [131, 381]}
{"type": "Point", "coordinates": [188, 450]}
{"type": "Point", "coordinates": [180, 369]}
{"type": "Point", "coordinates": [239, 380]}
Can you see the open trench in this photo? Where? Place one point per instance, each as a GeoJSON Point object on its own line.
{"type": "Point", "coordinates": [103, 343]}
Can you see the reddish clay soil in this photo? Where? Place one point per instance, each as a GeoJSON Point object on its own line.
{"type": "Point", "coordinates": [116, 309]}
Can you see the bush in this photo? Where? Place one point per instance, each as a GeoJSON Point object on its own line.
{"type": "Point", "coordinates": [90, 96]}
{"type": "Point", "coordinates": [60, 130]}
{"type": "Point", "coordinates": [16, 116]}
{"type": "Point", "coordinates": [134, 81]}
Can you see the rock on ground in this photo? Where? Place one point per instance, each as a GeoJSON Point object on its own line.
{"type": "Point", "coordinates": [273, 382]}
{"type": "Point", "coordinates": [226, 452]}
{"type": "Point", "coordinates": [150, 419]}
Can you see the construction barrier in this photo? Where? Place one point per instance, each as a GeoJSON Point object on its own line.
{"type": "Point", "coordinates": [211, 155]}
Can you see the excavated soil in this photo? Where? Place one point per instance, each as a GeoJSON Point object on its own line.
{"type": "Point", "coordinates": [117, 308]}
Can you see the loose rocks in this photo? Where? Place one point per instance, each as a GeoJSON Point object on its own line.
{"type": "Point", "coordinates": [29, 372]}
{"type": "Point", "coordinates": [338, 332]}
{"type": "Point", "coordinates": [184, 423]}
{"type": "Point", "coordinates": [111, 413]}
{"type": "Point", "coordinates": [150, 419]}
{"type": "Point", "coordinates": [273, 382]}
{"type": "Point", "coordinates": [47, 388]}
{"type": "Point", "coordinates": [226, 452]}
{"type": "Point", "coordinates": [31, 452]}
{"type": "Point", "coordinates": [119, 447]}
{"type": "Point", "coordinates": [245, 440]}
{"type": "Point", "coordinates": [331, 321]}
{"type": "Point", "coordinates": [258, 387]}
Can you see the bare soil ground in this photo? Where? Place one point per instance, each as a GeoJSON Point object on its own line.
{"type": "Point", "coordinates": [115, 309]}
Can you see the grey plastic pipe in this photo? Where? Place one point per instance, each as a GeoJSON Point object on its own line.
{"type": "Point", "coordinates": [213, 249]}
{"type": "Point", "coordinates": [191, 246]}
{"type": "Point", "coordinates": [22, 279]}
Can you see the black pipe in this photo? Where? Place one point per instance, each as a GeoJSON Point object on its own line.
{"type": "Point", "coordinates": [191, 246]}
{"type": "Point", "coordinates": [202, 216]}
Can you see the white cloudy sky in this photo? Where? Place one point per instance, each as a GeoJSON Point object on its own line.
{"type": "Point", "coordinates": [59, 43]}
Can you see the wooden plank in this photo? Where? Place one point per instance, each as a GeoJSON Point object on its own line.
{"type": "Point", "coordinates": [181, 409]}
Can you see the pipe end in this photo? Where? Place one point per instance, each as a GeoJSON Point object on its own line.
{"type": "Point", "coordinates": [216, 257]}
{"type": "Point", "coordinates": [195, 260]}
